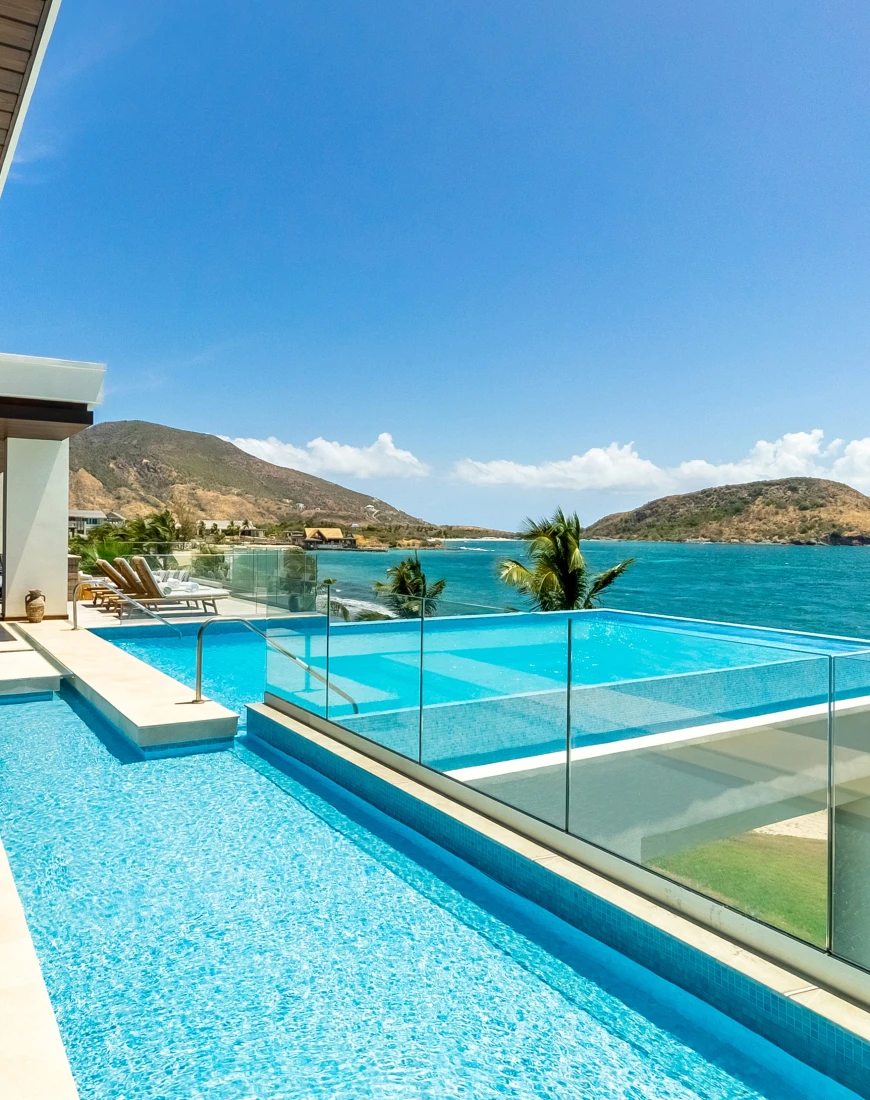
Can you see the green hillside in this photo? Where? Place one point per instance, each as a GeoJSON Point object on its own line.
{"type": "Point", "coordinates": [134, 467]}
{"type": "Point", "coordinates": [792, 509]}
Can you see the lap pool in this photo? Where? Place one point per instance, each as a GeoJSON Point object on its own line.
{"type": "Point", "coordinates": [233, 926]}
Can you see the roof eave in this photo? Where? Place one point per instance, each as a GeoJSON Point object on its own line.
{"type": "Point", "coordinates": [43, 34]}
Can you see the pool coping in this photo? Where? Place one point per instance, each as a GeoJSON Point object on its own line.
{"type": "Point", "coordinates": [146, 705]}
{"type": "Point", "coordinates": [33, 1060]}
{"type": "Point", "coordinates": [789, 1006]}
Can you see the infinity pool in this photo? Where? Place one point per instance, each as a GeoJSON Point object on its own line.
{"type": "Point", "coordinates": [496, 687]}
{"type": "Point", "coordinates": [216, 928]}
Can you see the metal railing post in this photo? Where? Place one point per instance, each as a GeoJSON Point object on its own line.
{"type": "Point", "coordinates": [328, 586]}
{"type": "Point", "coordinates": [568, 729]}
{"type": "Point", "coordinates": [422, 637]}
{"type": "Point", "coordinates": [831, 808]}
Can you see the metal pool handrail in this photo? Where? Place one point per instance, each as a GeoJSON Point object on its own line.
{"type": "Point", "coordinates": [269, 641]}
{"type": "Point", "coordinates": [124, 596]}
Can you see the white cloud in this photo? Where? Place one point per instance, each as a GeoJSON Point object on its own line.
{"type": "Point", "coordinates": [613, 467]}
{"type": "Point", "coordinates": [324, 457]}
{"type": "Point", "coordinates": [853, 466]}
{"type": "Point", "coordinates": [619, 467]}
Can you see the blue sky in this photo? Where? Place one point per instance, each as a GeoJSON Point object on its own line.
{"type": "Point", "coordinates": [477, 259]}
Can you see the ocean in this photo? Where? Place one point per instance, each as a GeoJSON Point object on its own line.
{"type": "Point", "coordinates": [817, 588]}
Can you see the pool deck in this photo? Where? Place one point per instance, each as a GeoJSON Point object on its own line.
{"type": "Point", "coordinates": [229, 608]}
{"type": "Point", "coordinates": [150, 708]}
{"type": "Point", "coordinates": [33, 1061]}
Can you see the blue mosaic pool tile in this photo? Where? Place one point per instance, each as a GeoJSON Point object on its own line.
{"type": "Point", "coordinates": [793, 1027]}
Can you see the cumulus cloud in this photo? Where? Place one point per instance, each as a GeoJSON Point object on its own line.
{"type": "Point", "coordinates": [325, 457]}
{"type": "Point", "coordinates": [613, 467]}
{"type": "Point", "coordinates": [619, 467]}
{"type": "Point", "coordinates": [853, 466]}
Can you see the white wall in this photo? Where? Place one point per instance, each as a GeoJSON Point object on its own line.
{"type": "Point", "coordinates": [35, 505]}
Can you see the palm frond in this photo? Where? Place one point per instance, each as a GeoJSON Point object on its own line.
{"type": "Point", "coordinates": [604, 580]}
{"type": "Point", "coordinates": [516, 575]}
{"type": "Point", "coordinates": [556, 576]}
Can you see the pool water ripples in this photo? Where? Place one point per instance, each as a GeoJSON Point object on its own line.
{"type": "Point", "coordinates": [214, 927]}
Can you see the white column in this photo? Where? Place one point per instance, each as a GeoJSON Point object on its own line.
{"type": "Point", "coordinates": [35, 508]}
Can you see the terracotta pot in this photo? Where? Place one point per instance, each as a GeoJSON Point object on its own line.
{"type": "Point", "coordinates": [34, 605]}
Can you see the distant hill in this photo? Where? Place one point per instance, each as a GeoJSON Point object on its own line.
{"type": "Point", "coordinates": [792, 509]}
{"type": "Point", "coordinates": [134, 467]}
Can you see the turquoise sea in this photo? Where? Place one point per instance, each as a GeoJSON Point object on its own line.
{"type": "Point", "coordinates": [816, 588]}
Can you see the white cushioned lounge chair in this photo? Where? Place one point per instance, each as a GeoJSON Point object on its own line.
{"type": "Point", "coordinates": [162, 593]}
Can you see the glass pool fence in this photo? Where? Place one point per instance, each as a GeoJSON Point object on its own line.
{"type": "Point", "coordinates": [747, 783]}
{"type": "Point", "coordinates": [277, 580]}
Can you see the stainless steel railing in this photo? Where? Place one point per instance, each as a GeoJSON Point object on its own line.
{"type": "Point", "coordinates": [116, 592]}
{"type": "Point", "coordinates": [271, 642]}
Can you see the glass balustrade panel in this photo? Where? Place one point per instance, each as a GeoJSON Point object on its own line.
{"type": "Point", "coordinates": [850, 901]}
{"type": "Point", "coordinates": [494, 710]}
{"type": "Point", "coordinates": [296, 660]}
{"type": "Point", "coordinates": [716, 779]}
{"type": "Point", "coordinates": [374, 671]}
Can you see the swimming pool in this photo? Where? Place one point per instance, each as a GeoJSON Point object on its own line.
{"type": "Point", "coordinates": [217, 927]}
{"type": "Point", "coordinates": [496, 688]}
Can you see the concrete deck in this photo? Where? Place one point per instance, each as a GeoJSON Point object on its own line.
{"type": "Point", "coordinates": [232, 608]}
{"type": "Point", "coordinates": [149, 707]}
{"type": "Point", "coordinates": [33, 1062]}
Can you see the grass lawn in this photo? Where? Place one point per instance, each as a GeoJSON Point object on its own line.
{"type": "Point", "coordinates": [779, 879]}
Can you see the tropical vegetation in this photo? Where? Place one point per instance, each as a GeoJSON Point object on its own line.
{"type": "Point", "coordinates": [556, 576]}
{"type": "Point", "coordinates": [406, 587]}
{"type": "Point", "coordinates": [154, 534]}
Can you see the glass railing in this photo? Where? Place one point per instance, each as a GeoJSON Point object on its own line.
{"type": "Point", "coordinates": [261, 580]}
{"type": "Point", "coordinates": [850, 809]}
{"type": "Point", "coordinates": [747, 783]}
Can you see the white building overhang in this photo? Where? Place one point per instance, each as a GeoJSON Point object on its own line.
{"type": "Point", "coordinates": [47, 398]}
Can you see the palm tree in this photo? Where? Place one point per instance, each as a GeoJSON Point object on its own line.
{"type": "Point", "coordinates": [407, 587]}
{"type": "Point", "coordinates": [558, 579]}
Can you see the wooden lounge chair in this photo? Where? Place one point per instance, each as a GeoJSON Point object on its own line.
{"type": "Point", "coordinates": [99, 589]}
{"type": "Point", "coordinates": [194, 595]}
{"type": "Point", "coordinates": [132, 585]}
{"type": "Point", "coordinates": [112, 574]}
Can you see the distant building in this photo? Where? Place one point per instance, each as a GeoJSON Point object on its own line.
{"type": "Point", "coordinates": [243, 528]}
{"type": "Point", "coordinates": [328, 538]}
{"type": "Point", "coordinates": [81, 522]}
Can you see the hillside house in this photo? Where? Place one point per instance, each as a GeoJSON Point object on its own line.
{"type": "Point", "coordinates": [238, 527]}
{"type": "Point", "coordinates": [328, 538]}
{"type": "Point", "coordinates": [82, 521]}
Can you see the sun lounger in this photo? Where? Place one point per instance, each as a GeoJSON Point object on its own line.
{"type": "Point", "coordinates": [189, 592]}
{"type": "Point", "coordinates": [132, 585]}
{"type": "Point", "coordinates": [100, 589]}
{"type": "Point", "coordinates": [112, 574]}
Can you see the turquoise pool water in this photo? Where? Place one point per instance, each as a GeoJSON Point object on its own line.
{"type": "Point", "coordinates": [495, 687]}
{"type": "Point", "coordinates": [214, 927]}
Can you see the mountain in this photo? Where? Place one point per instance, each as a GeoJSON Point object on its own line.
{"type": "Point", "coordinates": [792, 509]}
{"type": "Point", "coordinates": [133, 467]}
